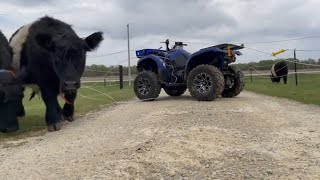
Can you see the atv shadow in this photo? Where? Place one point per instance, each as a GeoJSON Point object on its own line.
{"type": "Point", "coordinates": [188, 97]}
{"type": "Point", "coordinates": [175, 98]}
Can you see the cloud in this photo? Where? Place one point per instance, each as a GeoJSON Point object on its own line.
{"type": "Point", "coordinates": [213, 21]}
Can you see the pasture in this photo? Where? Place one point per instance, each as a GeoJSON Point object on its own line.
{"type": "Point", "coordinates": [87, 100]}
{"type": "Point", "coordinates": [307, 90]}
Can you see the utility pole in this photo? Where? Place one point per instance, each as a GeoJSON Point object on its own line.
{"type": "Point", "coordinates": [295, 66]}
{"type": "Point", "coordinates": [251, 72]}
{"type": "Point", "coordinates": [129, 69]}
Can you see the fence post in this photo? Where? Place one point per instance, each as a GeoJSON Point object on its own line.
{"type": "Point", "coordinates": [121, 76]}
{"type": "Point", "coordinates": [251, 72]}
{"type": "Point", "coordinates": [295, 66]}
{"type": "Point", "coordinates": [105, 82]}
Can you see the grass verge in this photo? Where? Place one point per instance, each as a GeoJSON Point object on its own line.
{"type": "Point", "coordinates": [307, 91]}
{"type": "Point", "coordinates": [34, 123]}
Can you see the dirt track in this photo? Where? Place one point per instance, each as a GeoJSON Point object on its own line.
{"type": "Point", "coordinates": [248, 137]}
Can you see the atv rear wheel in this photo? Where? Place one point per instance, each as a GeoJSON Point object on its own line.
{"type": "Point", "coordinates": [147, 86]}
{"type": "Point", "coordinates": [238, 83]}
{"type": "Point", "coordinates": [205, 82]}
{"type": "Point", "coordinates": [175, 90]}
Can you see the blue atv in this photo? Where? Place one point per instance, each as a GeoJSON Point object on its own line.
{"type": "Point", "coordinates": [205, 73]}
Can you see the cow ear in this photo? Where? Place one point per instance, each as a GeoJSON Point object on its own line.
{"type": "Point", "coordinates": [45, 41]}
{"type": "Point", "coordinates": [93, 40]}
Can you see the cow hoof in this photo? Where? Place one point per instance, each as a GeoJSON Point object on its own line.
{"type": "Point", "coordinates": [54, 127]}
{"type": "Point", "coordinates": [9, 130]}
{"type": "Point", "coordinates": [70, 118]}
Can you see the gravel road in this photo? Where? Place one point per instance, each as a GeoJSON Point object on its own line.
{"type": "Point", "coordinates": [248, 137]}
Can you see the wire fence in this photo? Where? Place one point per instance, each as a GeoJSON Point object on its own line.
{"type": "Point", "coordinates": [253, 72]}
{"type": "Point", "coordinates": [111, 77]}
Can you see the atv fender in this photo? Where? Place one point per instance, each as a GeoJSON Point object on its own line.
{"type": "Point", "coordinates": [153, 63]}
{"type": "Point", "coordinates": [211, 55]}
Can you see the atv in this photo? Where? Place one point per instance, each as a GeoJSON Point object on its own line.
{"type": "Point", "coordinates": [205, 73]}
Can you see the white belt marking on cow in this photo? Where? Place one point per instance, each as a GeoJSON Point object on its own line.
{"type": "Point", "coordinates": [273, 72]}
{"type": "Point", "coordinates": [16, 44]}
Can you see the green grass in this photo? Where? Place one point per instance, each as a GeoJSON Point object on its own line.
{"type": "Point", "coordinates": [307, 91]}
{"type": "Point", "coordinates": [34, 123]}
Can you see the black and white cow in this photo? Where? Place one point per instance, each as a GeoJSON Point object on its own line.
{"type": "Point", "coordinates": [279, 70]}
{"type": "Point", "coordinates": [49, 54]}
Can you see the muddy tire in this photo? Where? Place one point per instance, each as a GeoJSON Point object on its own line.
{"type": "Point", "coordinates": [205, 82]}
{"type": "Point", "coordinates": [238, 83]}
{"type": "Point", "coordinates": [147, 86]}
{"type": "Point", "coordinates": [175, 91]}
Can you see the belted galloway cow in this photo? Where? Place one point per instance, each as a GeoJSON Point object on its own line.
{"type": "Point", "coordinates": [279, 70]}
{"type": "Point", "coordinates": [49, 55]}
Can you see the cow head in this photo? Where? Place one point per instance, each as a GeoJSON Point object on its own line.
{"type": "Point", "coordinates": [68, 56]}
{"type": "Point", "coordinates": [274, 79]}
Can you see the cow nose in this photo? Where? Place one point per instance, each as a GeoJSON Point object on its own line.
{"type": "Point", "coordinates": [70, 85]}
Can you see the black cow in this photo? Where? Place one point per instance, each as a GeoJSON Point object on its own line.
{"type": "Point", "coordinates": [5, 55]}
{"type": "Point", "coordinates": [49, 54]}
{"type": "Point", "coordinates": [11, 91]}
{"type": "Point", "coordinates": [279, 70]}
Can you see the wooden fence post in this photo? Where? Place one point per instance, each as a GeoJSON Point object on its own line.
{"type": "Point", "coordinates": [295, 66]}
{"type": "Point", "coordinates": [251, 72]}
{"type": "Point", "coordinates": [121, 76]}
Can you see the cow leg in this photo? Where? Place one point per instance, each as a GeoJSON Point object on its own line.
{"type": "Point", "coordinates": [20, 78]}
{"type": "Point", "coordinates": [285, 79]}
{"type": "Point", "coordinates": [21, 112]}
{"type": "Point", "coordinates": [53, 110]}
{"type": "Point", "coordinates": [68, 108]}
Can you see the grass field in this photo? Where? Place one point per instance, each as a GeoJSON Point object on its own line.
{"type": "Point", "coordinates": [34, 122]}
{"type": "Point", "coordinates": [307, 91]}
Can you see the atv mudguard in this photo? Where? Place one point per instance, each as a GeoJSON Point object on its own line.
{"type": "Point", "coordinates": [215, 54]}
{"type": "Point", "coordinates": [146, 62]}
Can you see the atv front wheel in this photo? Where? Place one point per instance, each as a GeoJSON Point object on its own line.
{"type": "Point", "coordinates": [147, 86]}
{"type": "Point", "coordinates": [237, 85]}
{"type": "Point", "coordinates": [175, 90]}
{"type": "Point", "coordinates": [205, 82]}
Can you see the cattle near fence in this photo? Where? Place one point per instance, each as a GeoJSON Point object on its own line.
{"type": "Point", "coordinates": [49, 54]}
{"type": "Point", "coordinates": [279, 70]}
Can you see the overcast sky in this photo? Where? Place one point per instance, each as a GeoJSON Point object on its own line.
{"type": "Point", "coordinates": [202, 21]}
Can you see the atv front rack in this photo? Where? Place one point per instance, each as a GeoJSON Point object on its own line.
{"type": "Point", "coordinates": [145, 52]}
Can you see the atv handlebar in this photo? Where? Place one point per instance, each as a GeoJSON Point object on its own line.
{"type": "Point", "coordinates": [167, 44]}
{"type": "Point", "coordinates": [175, 44]}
